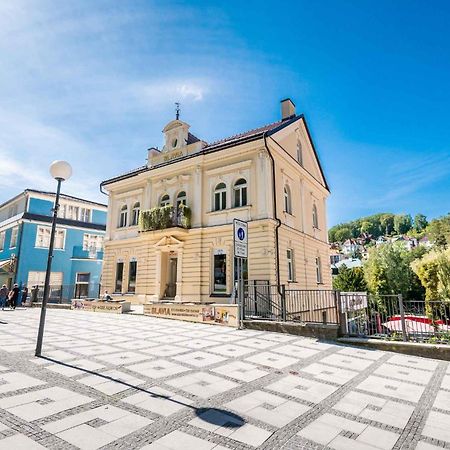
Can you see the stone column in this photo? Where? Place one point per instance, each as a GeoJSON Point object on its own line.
{"type": "Point", "coordinates": [157, 294]}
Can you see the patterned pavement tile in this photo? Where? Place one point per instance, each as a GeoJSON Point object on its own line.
{"type": "Point", "coordinates": [136, 382]}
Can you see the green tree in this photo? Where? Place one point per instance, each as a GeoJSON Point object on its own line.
{"type": "Point", "coordinates": [387, 223]}
{"type": "Point", "coordinates": [369, 227]}
{"type": "Point", "coordinates": [387, 271]}
{"type": "Point", "coordinates": [350, 280]}
{"type": "Point", "coordinates": [433, 270]}
{"type": "Point", "coordinates": [402, 223]}
{"type": "Point", "coordinates": [343, 234]}
{"type": "Point", "coordinates": [438, 231]}
{"type": "Point", "coordinates": [420, 222]}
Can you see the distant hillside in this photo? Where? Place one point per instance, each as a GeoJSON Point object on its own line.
{"type": "Point", "coordinates": [380, 224]}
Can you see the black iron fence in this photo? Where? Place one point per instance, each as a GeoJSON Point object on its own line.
{"type": "Point", "coordinates": [274, 302]}
{"type": "Point", "coordinates": [64, 293]}
{"type": "Point", "coordinates": [391, 317]}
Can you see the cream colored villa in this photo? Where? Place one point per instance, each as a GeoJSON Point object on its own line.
{"type": "Point", "coordinates": [169, 233]}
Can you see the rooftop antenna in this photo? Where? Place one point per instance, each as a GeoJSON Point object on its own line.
{"type": "Point", "coordinates": [177, 110]}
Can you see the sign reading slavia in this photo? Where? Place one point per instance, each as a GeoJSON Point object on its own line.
{"type": "Point", "coordinates": [240, 238]}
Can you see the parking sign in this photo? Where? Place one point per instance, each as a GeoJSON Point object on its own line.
{"type": "Point", "coordinates": [240, 238]}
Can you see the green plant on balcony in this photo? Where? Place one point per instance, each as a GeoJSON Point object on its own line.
{"type": "Point", "coordinates": [162, 217]}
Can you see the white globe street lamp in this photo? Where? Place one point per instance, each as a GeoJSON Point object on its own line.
{"type": "Point", "coordinates": [60, 171]}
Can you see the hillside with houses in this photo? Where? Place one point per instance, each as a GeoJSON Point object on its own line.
{"type": "Point", "coordinates": [387, 253]}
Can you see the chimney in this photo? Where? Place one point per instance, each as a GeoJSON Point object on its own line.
{"type": "Point", "coordinates": [287, 109]}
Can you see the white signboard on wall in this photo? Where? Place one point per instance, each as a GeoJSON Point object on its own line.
{"type": "Point", "coordinates": [240, 229]}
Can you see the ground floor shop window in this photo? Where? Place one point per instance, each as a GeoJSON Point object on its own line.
{"type": "Point", "coordinates": [119, 277]}
{"type": "Point", "coordinates": [132, 276]}
{"type": "Point", "coordinates": [220, 273]}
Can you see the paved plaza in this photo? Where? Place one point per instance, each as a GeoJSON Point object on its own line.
{"type": "Point", "coordinates": [134, 382]}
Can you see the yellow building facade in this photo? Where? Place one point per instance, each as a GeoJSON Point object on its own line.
{"type": "Point", "coordinates": [169, 233]}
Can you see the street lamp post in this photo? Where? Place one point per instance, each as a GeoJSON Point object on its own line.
{"type": "Point", "coordinates": [60, 171]}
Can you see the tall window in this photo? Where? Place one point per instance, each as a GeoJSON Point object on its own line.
{"type": "Point", "coordinates": [220, 197]}
{"type": "Point", "coordinates": [135, 213]}
{"type": "Point", "coordinates": [14, 233]}
{"type": "Point", "coordinates": [287, 200]}
{"type": "Point", "coordinates": [314, 217]}
{"type": "Point", "coordinates": [181, 199]}
{"type": "Point", "coordinates": [119, 277]}
{"type": "Point", "coordinates": [299, 152]}
{"type": "Point", "coordinates": [43, 238]}
{"type": "Point", "coordinates": [318, 270]}
{"type": "Point", "coordinates": [85, 214]}
{"type": "Point", "coordinates": [2, 240]}
{"type": "Point", "coordinates": [240, 193]}
{"type": "Point", "coordinates": [132, 276]}
{"type": "Point", "coordinates": [93, 242]}
{"type": "Point", "coordinates": [220, 273]}
{"type": "Point", "coordinates": [290, 264]}
{"type": "Point", "coordinates": [123, 217]}
{"type": "Point", "coordinates": [165, 200]}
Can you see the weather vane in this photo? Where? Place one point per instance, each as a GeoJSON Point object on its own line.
{"type": "Point", "coordinates": [177, 110]}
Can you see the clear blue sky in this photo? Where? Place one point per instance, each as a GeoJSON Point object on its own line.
{"type": "Point", "coordinates": [95, 82]}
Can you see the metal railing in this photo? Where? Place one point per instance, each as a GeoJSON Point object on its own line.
{"type": "Point", "coordinates": [391, 317]}
{"type": "Point", "coordinates": [274, 302]}
{"type": "Point", "coordinates": [64, 293]}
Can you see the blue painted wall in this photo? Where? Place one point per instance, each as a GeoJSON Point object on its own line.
{"type": "Point", "coordinates": [99, 216]}
{"type": "Point", "coordinates": [40, 206]}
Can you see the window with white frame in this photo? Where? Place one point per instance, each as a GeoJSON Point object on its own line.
{"type": "Point", "coordinates": [165, 200]}
{"type": "Point", "coordinates": [38, 278]}
{"type": "Point", "coordinates": [85, 214]}
{"type": "Point", "coordinates": [314, 216]}
{"type": "Point", "coordinates": [290, 264]}
{"type": "Point", "coordinates": [135, 213]}
{"type": "Point", "coordinates": [43, 238]}
{"type": "Point", "coordinates": [318, 270]}
{"type": "Point", "coordinates": [2, 240]}
{"type": "Point", "coordinates": [240, 193]}
{"type": "Point", "coordinates": [123, 216]}
{"type": "Point", "coordinates": [287, 200]}
{"type": "Point", "coordinates": [92, 242]}
{"type": "Point", "coordinates": [181, 199]}
{"type": "Point", "coordinates": [14, 233]}
{"type": "Point", "coordinates": [220, 197]}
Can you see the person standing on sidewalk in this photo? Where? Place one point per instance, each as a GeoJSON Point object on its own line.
{"type": "Point", "coordinates": [3, 296]}
{"type": "Point", "coordinates": [24, 295]}
{"type": "Point", "coordinates": [13, 296]}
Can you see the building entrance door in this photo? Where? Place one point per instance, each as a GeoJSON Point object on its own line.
{"type": "Point", "coordinates": [171, 288]}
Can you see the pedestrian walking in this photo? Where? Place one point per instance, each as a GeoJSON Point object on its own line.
{"type": "Point", "coordinates": [24, 295]}
{"type": "Point", "coordinates": [13, 296]}
{"type": "Point", "coordinates": [3, 296]}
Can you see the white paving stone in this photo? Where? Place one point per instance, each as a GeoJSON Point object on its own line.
{"type": "Point", "coordinates": [270, 359]}
{"type": "Point", "coordinates": [328, 373]}
{"type": "Point", "coordinates": [231, 350]}
{"type": "Point", "coordinates": [45, 402]}
{"type": "Point", "coordinates": [443, 401]}
{"type": "Point", "coordinates": [199, 359]}
{"type": "Point", "coordinates": [177, 440]}
{"type": "Point", "coordinates": [279, 413]}
{"type": "Point", "coordinates": [404, 373]}
{"type": "Point", "coordinates": [13, 381]}
{"type": "Point", "coordinates": [159, 401]}
{"type": "Point", "coordinates": [437, 426]}
{"type": "Point", "coordinates": [158, 368]}
{"type": "Point", "coordinates": [19, 442]}
{"type": "Point", "coordinates": [240, 371]}
{"type": "Point", "coordinates": [302, 388]}
{"type": "Point", "coordinates": [347, 362]}
{"type": "Point", "coordinates": [414, 362]}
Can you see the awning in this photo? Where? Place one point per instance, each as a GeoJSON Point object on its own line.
{"type": "Point", "coordinates": [5, 266]}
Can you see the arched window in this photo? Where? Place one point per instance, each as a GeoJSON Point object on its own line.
{"type": "Point", "coordinates": [240, 193]}
{"type": "Point", "coordinates": [123, 217]}
{"type": "Point", "coordinates": [287, 200]}
{"type": "Point", "coordinates": [181, 199]}
{"type": "Point", "coordinates": [135, 213]}
{"type": "Point", "coordinates": [220, 197]}
{"type": "Point", "coordinates": [165, 200]}
{"type": "Point", "coordinates": [314, 217]}
{"type": "Point", "coordinates": [299, 152]}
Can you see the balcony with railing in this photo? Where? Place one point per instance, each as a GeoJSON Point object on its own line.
{"type": "Point", "coordinates": [80, 253]}
{"type": "Point", "coordinates": [163, 217]}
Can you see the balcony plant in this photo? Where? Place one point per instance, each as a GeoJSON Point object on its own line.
{"type": "Point", "coordinates": [162, 217]}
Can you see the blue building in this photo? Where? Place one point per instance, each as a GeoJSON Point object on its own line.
{"type": "Point", "coordinates": [25, 225]}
